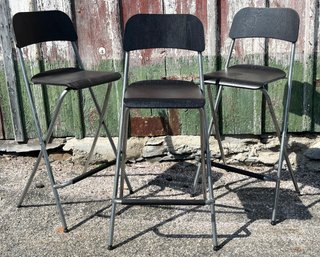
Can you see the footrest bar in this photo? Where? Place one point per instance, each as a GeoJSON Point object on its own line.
{"type": "Point", "coordinates": [85, 175]}
{"type": "Point", "coordinates": [160, 202]}
{"type": "Point", "coordinates": [242, 172]}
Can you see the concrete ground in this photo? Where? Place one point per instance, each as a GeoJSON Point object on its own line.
{"type": "Point", "coordinates": [243, 207]}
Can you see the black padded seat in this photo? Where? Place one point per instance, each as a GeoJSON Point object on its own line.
{"type": "Point", "coordinates": [254, 76]}
{"type": "Point", "coordinates": [163, 94]}
{"type": "Point", "coordinates": [75, 78]}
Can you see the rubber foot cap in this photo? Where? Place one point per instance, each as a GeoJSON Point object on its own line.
{"type": "Point", "coordinates": [110, 247]}
{"type": "Point", "coordinates": [216, 248]}
{"type": "Point", "coordinates": [193, 195]}
{"type": "Point", "coordinates": [65, 230]}
{"type": "Point", "coordinates": [273, 223]}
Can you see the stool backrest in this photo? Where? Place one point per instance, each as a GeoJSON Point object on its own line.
{"type": "Point", "coordinates": [278, 23]}
{"type": "Point", "coordinates": [181, 31]}
{"type": "Point", "coordinates": [37, 27]}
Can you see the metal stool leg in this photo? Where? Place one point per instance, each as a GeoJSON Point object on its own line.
{"type": "Point", "coordinates": [214, 122]}
{"type": "Point", "coordinates": [42, 143]}
{"type": "Point", "coordinates": [282, 143]}
{"type": "Point", "coordinates": [118, 172]}
{"type": "Point", "coordinates": [207, 167]}
{"type": "Point", "coordinates": [101, 121]}
{"type": "Point", "coordinates": [102, 114]}
{"type": "Point", "coordinates": [47, 139]}
{"type": "Point", "coordinates": [277, 191]}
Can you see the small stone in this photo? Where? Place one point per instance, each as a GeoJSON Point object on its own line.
{"type": "Point", "coordinates": [67, 157]}
{"type": "Point", "coordinates": [154, 141]}
{"type": "Point", "coordinates": [313, 153]}
{"type": "Point", "coordinates": [141, 159]}
{"type": "Point", "coordinates": [268, 158]}
{"type": "Point", "coordinates": [39, 185]}
{"type": "Point", "coordinates": [56, 157]}
{"type": "Point", "coordinates": [153, 151]}
{"type": "Point", "coordinates": [154, 188]}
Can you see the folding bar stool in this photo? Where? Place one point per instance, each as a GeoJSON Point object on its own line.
{"type": "Point", "coordinates": [43, 26]}
{"type": "Point", "coordinates": [276, 23]}
{"type": "Point", "coordinates": [176, 31]}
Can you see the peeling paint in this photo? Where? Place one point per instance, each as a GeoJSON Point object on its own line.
{"type": "Point", "coordinates": [100, 24]}
{"type": "Point", "coordinates": [148, 126]}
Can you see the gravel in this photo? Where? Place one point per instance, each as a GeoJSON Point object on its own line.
{"type": "Point", "coordinates": [243, 207]}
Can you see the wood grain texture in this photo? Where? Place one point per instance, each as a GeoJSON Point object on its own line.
{"type": "Point", "coordinates": [100, 26]}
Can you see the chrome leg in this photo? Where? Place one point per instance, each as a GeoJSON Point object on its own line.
{"type": "Point", "coordinates": [206, 156]}
{"type": "Point", "coordinates": [119, 164]}
{"type": "Point", "coordinates": [124, 151]}
{"type": "Point", "coordinates": [28, 184]}
{"type": "Point", "coordinates": [203, 144]}
{"type": "Point", "coordinates": [214, 122]}
{"type": "Point", "coordinates": [283, 153]}
{"type": "Point", "coordinates": [46, 157]}
{"type": "Point", "coordinates": [102, 122]}
{"type": "Point", "coordinates": [282, 140]}
{"type": "Point", "coordinates": [47, 139]}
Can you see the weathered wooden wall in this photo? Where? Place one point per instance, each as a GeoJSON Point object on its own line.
{"type": "Point", "coordinates": [100, 25]}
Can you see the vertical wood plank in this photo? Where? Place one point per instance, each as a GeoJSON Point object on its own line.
{"type": "Point", "coordinates": [6, 125]}
{"type": "Point", "coordinates": [99, 30]}
{"type": "Point", "coordinates": [149, 63]}
{"type": "Point", "coordinates": [50, 55]}
{"type": "Point", "coordinates": [31, 55]}
{"type": "Point", "coordinates": [1, 124]}
{"type": "Point", "coordinates": [316, 67]}
{"type": "Point", "coordinates": [182, 64]}
{"type": "Point", "coordinates": [212, 36]}
{"type": "Point", "coordinates": [99, 26]}
{"type": "Point", "coordinates": [241, 109]}
{"type": "Point", "coordinates": [55, 55]}
{"type": "Point", "coordinates": [300, 113]}
{"type": "Point", "coordinates": [9, 70]}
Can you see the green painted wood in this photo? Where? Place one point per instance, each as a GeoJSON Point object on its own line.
{"type": "Point", "coordinates": [300, 113]}
{"type": "Point", "coordinates": [113, 111]}
{"type": "Point", "coordinates": [77, 114]}
{"type": "Point", "coordinates": [7, 43]}
{"type": "Point", "coordinates": [5, 106]}
{"type": "Point", "coordinates": [91, 118]}
{"type": "Point", "coordinates": [25, 104]}
{"type": "Point", "coordinates": [316, 96]}
{"type": "Point", "coordinates": [241, 112]}
{"type": "Point", "coordinates": [301, 101]}
{"type": "Point", "coordinates": [182, 66]}
{"type": "Point", "coordinates": [241, 109]}
{"type": "Point", "coordinates": [66, 124]}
